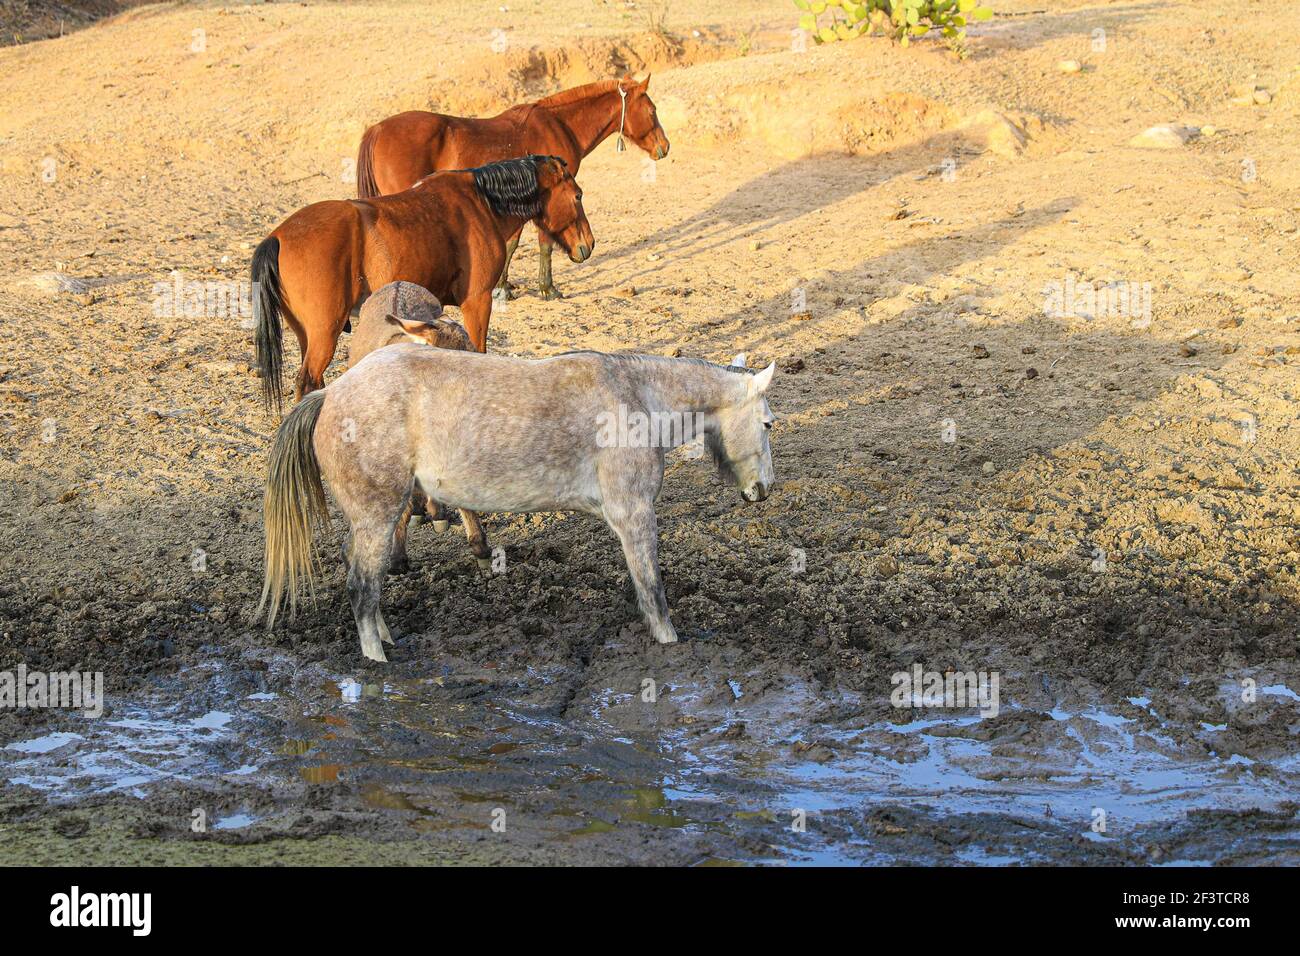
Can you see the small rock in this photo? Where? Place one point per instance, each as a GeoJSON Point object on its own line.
{"type": "Point", "coordinates": [1187, 350]}
{"type": "Point", "coordinates": [1242, 94]}
{"type": "Point", "coordinates": [755, 245]}
{"type": "Point", "coordinates": [820, 754]}
{"type": "Point", "coordinates": [1263, 97]}
{"type": "Point", "coordinates": [1232, 322]}
{"type": "Point", "coordinates": [1209, 130]}
{"type": "Point", "coordinates": [793, 367]}
{"type": "Point", "coordinates": [626, 292]}
{"type": "Point", "coordinates": [1069, 66]}
{"type": "Point", "coordinates": [1208, 389]}
{"type": "Point", "coordinates": [988, 468]}
{"type": "Point", "coordinates": [980, 352]}
{"type": "Point", "coordinates": [1031, 373]}
{"type": "Point", "coordinates": [1164, 137]}
{"type": "Point", "coordinates": [886, 566]}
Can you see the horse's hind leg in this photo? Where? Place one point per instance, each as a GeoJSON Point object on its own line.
{"type": "Point", "coordinates": [320, 352]}
{"type": "Point", "coordinates": [477, 539]}
{"type": "Point", "coordinates": [372, 543]}
{"type": "Point", "coordinates": [400, 563]}
{"type": "Point", "coordinates": [374, 509]}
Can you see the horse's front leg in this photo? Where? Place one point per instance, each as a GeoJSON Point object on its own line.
{"type": "Point", "coordinates": [635, 524]}
{"type": "Point", "coordinates": [545, 285]}
{"type": "Point", "coordinates": [503, 286]}
{"type": "Point", "coordinates": [476, 313]}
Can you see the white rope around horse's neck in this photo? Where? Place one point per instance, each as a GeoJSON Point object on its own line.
{"type": "Point", "coordinates": [619, 145]}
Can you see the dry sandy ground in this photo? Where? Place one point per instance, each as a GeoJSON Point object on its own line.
{"type": "Point", "coordinates": [1099, 507]}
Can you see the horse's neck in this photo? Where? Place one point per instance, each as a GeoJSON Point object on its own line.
{"type": "Point", "coordinates": [589, 121]}
{"type": "Point", "coordinates": [687, 386]}
{"type": "Point", "coordinates": [507, 225]}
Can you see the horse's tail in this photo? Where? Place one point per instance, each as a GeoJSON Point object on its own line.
{"type": "Point", "coordinates": [366, 187]}
{"type": "Point", "coordinates": [269, 336]}
{"type": "Point", "coordinates": [294, 506]}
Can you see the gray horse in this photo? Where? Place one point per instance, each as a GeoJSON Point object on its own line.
{"type": "Point", "coordinates": [581, 431]}
{"type": "Point", "coordinates": [406, 312]}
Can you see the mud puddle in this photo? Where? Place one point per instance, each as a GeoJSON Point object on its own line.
{"type": "Point", "coordinates": [278, 750]}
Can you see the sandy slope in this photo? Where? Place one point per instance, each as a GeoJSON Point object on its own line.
{"type": "Point", "coordinates": [921, 205]}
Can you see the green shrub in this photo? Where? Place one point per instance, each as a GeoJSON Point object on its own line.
{"type": "Point", "coordinates": [831, 20]}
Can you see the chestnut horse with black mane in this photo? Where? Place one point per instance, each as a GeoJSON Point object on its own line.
{"type": "Point", "coordinates": [447, 233]}
{"type": "Point", "coordinates": [400, 150]}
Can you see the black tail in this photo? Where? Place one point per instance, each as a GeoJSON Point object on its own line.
{"type": "Point", "coordinates": [269, 336]}
{"type": "Point", "coordinates": [366, 188]}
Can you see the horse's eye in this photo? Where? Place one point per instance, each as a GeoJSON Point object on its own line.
{"type": "Point", "coordinates": [767, 425]}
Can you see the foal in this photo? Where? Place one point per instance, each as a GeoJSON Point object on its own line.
{"type": "Point", "coordinates": [400, 150]}
{"type": "Point", "coordinates": [406, 312]}
{"type": "Point", "coordinates": [447, 233]}
{"type": "Point", "coordinates": [577, 432]}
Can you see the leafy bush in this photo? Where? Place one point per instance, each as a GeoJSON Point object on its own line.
{"type": "Point", "coordinates": [900, 19]}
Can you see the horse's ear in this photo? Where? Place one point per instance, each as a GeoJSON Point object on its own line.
{"type": "Point", "coordinates": [644, 83]}
{"type": "Point", "coordinates": [550, 172]}
{"type": "Point", "coordinates": [761, 380]}
{"type": "Point", "coordinates": [412, 327]}
{"type": "Point", "coordinates": [739, 360]}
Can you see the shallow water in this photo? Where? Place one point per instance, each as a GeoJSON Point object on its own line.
{"type": "Point", "coordinates": [440, 755]}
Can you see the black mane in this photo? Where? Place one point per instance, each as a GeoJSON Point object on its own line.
{"type": "Point", "coordinates": [510, 186]}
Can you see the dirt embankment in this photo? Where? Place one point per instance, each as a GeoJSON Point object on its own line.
{"type": "Point", "coordinates": [1038, 388]}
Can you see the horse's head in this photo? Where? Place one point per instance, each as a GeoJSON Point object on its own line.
{"type": "Point", "coordinates": [440, 333]}
{"type": "Point", "coordinates": [641, 124]}
{"type": "Point", "coordinates": [739, 442]}
{"type": "Point", "coordinates": [562, 219]}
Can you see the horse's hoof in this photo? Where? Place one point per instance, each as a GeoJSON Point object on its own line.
{"type": "Point", "coordinates": [502, 294]}
{"type": "Point", "coordinates": [485, 565]}
{"type": "Point", "coordinates": [401, 567]}
{"type": "Point", "coordinates": [550, 293]}
{"type": "Point", "coordinates": [417, 520]}
{"type": "Point", "coordinates": [441, 524]}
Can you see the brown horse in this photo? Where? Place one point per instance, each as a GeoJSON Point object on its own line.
{"type": "Point", "coordinates": [447, 233]}
{"type": "Point", "coordinates": [403, 148]}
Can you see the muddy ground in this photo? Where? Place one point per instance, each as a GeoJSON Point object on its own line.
{"type": "Point", "coordinates": [1100, 505]}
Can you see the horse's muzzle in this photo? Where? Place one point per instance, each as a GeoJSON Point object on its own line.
{"type": "Point", "coordinates": [755, 492]}
{"type": "Point", "coordinates": [582, 252]}
{"type": "Point", "coordinates": [661, 151]}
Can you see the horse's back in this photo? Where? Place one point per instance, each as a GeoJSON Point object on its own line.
{"type": "Point", "coordinates": [497, 384]}
{"type": "Point", "coordinates": [480, 431]}
{"type": "Point", "coordinates": [418, 142]}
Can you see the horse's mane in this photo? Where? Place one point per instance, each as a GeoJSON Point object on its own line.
{"type": "Point", "coordinates": [583, 92]}
{"type": "Point", "coordinates": [510, 186]}
{"type": "Point", "coordinates": [643, 359]}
